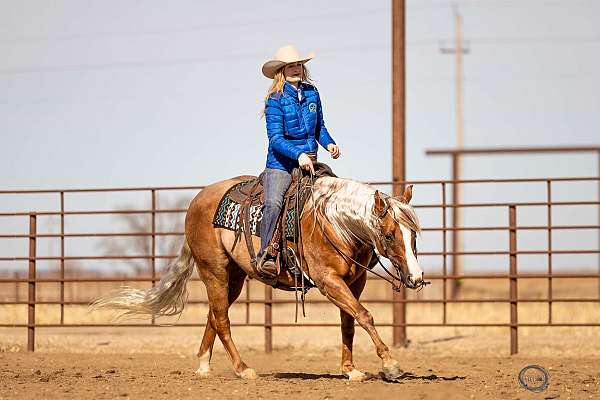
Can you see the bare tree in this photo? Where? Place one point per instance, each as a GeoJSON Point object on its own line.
{"type": "Point", "coordinates": [142, 245]}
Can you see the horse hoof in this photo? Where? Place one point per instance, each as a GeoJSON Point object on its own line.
{"type": "Point", "coordinates": [248, 373]}
{"type": "Point", "coordinates": [203, 372]}
{"type": "Point", "coordinates": [355, 375]}
{"type": "Point", "coordinates": [391, 370]}
{"type": "Point", "coordinates": [204, 369]}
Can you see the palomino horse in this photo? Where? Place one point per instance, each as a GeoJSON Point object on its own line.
{"type": "Point", "coordinates": [342, 223]}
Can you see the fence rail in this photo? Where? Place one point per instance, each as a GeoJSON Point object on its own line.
{"type": "Point", "coordinates": [437, 258]}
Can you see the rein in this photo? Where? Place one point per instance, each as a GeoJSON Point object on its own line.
{"type": "Point", "coordinates": [395, 286]}
{"type": "Point", "coordinates": [402, 279]}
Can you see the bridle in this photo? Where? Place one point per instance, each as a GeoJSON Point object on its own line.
{"type": "Point", "coordinates": [384, 242]}
{"type": "Point", "coordinates": [393, 278]}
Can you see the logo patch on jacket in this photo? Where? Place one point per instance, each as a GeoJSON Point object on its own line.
{"type": "Point", "coordinates": [312, 107]}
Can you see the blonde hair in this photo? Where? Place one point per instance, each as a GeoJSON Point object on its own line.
{"type": "Point", "coordinates": [279, 83]}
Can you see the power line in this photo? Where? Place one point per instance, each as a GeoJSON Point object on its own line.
{"type": "Point", "coordinates": [232, 57]}
{"type": "Point", "coordinates": [515, 40]}
{"type": "Point", "coordinates": [424, 5]}
{"type": "Point", "coordinates": [125, 64]}
{"type": "Point", "coordinates": [282, 20]}
{"type": "Point", "coordinates": [177, 61]}
{"type": "Point", "coordinates": [180, 61]}
{"type": "Point", "coordinates": [199, 28]}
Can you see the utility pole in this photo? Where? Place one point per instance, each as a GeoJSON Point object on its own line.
{"type": "Point", "coordinates": [398, 145]}
{"type": "Point", "coordinates": [459, 50]}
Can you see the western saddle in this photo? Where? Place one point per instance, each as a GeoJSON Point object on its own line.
{"type": "Point", "coordinates": [252, 194]}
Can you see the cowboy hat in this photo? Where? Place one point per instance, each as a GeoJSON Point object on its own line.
{"type": "Point", "coordinates": [285, 55]}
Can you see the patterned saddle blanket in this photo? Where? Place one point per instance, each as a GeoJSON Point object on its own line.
{"type": "Point", "coordinates": [240, 210]}
{"type": "Point", "coordinates": [247, 198]}
{"type": "Point", "coordinates": [228, 213]}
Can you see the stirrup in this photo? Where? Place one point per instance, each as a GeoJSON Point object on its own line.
{"type": "Point", "coordinates": [268, 276]}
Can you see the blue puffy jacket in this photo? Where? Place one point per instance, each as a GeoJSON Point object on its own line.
{"type": "Point", "coordinates": [294, 127]}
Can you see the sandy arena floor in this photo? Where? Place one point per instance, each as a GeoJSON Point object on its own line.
{"type": "Point", "coordinates": [284, 374]}
{"type": "Point", "coordinates": [440, 363]}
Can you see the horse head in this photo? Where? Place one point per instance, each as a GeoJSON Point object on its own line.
{"type": "Point", "coordinates": [396, 238]}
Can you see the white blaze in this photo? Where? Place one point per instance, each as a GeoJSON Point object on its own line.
{"type": "Point", "coordinates": [414, 271]}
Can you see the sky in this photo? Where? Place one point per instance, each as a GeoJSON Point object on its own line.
{"type": "Point", "coordinates": [111, 93]}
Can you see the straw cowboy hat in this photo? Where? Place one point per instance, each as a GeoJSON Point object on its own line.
{"type": "Point", "coordinates": [285, 55]}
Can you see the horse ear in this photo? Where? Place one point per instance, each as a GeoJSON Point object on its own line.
{"type": "Point", "coordinates": [407, 195]}
{"type": "Point", "coordinates": [379, 203]}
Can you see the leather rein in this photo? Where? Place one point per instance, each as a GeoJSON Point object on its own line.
{"type": "Point", "coordinates": [392, 277]}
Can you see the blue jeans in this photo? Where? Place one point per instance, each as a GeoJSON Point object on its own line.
{"type": "Point", "coordinates": [275, 184]}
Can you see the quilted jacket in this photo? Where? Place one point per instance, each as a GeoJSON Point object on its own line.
{"type": "Point", "coordinates": [294, 126]}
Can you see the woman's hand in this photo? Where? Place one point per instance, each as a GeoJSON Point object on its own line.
{"type": "Point", "coordinates": [306, 163]}
{"type": "Point", "coordinates": [334, 150]}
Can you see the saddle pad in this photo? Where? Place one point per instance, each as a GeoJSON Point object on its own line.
{"type": "Point", "coordinates": [228, 215]}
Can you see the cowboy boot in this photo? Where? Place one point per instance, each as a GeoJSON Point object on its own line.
{"type": "Point", "coordinates": [267, 267]}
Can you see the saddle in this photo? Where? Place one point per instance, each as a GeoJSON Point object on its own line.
{"type": "Point", "coordinates": [251, 194]}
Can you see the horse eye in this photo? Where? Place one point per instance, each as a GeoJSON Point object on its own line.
{"type": "Point", "coordinates": [389, 237]}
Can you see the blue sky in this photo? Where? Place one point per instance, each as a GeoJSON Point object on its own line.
{"type": "Point", "coordinates": [110, 93]}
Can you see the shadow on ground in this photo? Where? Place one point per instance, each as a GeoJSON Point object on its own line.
{"type": "Point", "coordinates": [404, 377]}
{"type": "Point", "coordinates": [302, 376]}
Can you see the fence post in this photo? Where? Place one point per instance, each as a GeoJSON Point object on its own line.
{"type": "Point", "coordinates": [62, 257]}
{"type": "Point", "coordinates": [153, 242]}
{"type": "Point", "coordinates": [549, 235]}
{"type": "Point", "coordinates": [512, 238]}
{"type": "Point", "coordinates": [268, 319]}
{"type": "Point", "coordinates": [456, 222]}
{"type": "Point", "coordinates": [17, 294]}
{"type": "Point", "coordinates": [398, 145]}
{"type": "Point", "coordinates": [598, 183]}
{"type": "Point", "coordinates": [444, 256]}
{"type": "Point", "coordinates": [31, 284]}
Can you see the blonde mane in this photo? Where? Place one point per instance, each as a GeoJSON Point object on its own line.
{"type": "Point", "coordinates": [348, 206]}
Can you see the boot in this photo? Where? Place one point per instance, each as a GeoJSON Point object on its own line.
{"type": "Point", "coordinates": [267, 267]}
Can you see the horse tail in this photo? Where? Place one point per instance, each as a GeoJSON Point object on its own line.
{"type": "Point", "coordinates": [167, 298]}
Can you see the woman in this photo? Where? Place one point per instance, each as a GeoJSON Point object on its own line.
{"type": "Point", "coordinates": [294, 126]}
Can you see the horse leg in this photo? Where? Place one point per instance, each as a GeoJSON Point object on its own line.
{"type": "Point", "coordinates": [206, 347]}
{"type": "Point", "coordinates": [236, 283]}
{"type": "Point", "coordinates": [339, 294]}
{"type": "Point", "coordinates": [347, 324]}
{"type": "Point", "coordinates": [216, 281]}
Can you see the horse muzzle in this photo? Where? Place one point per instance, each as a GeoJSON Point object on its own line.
{"type": "Point", "coordinates": [414, 281]}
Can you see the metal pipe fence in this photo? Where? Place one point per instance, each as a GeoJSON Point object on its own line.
{"type": "Point", "coordinates": [437, 259]}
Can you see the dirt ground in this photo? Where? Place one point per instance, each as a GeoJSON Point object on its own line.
{"type": "Point", "coordinates": [285, 374]}
{"type": "Point", "coordinates": [440, 363]}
